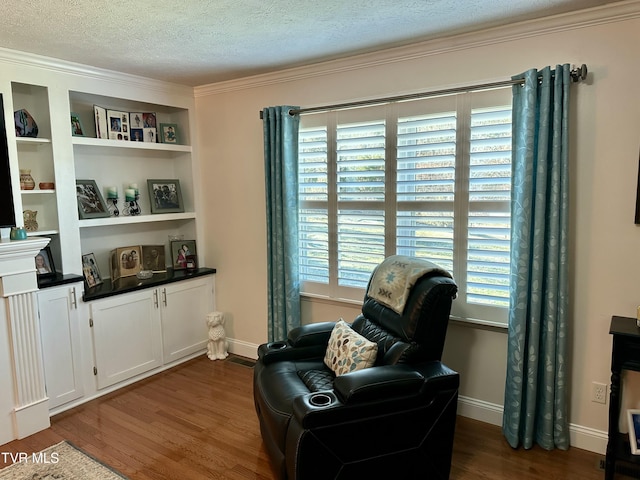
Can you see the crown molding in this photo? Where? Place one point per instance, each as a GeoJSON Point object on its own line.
{"type": "Point", "coordinates": [618, 12]}
{"type": "Point", "coordinates": [25, 59]}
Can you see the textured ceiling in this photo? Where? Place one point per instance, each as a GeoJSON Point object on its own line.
{"type": "Point", "coordinates": [196, 42]}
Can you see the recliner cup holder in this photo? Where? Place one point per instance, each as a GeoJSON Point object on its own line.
{"type": "Point", "coordinates": [320, 400]}
{"type": "Point", "coordinates": [277, 345]}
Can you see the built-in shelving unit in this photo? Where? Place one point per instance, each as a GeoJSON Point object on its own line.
{"type": "Point", "coordinates": [119, 163]}
{"type": "Point", "coordinates": [57, 156]}
{"type": "Point", "coordinates": [80, 327]}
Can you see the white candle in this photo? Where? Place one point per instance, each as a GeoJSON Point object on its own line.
{"type": "Point", "coordinates": [112, 192]}
{"type": "Point", "coordinates": [134, 186]}
{"type": "Point", "coordinates": [130, 194]}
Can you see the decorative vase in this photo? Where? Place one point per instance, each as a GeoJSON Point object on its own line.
{"type": "Point", "coordinates": [26, 126]}
{"type": "Point", "coordinates": [30, 223]}
{"type": "Point", "coordinates": [18, 233]}
{"type": "Point", "coordinates": [26, 180]}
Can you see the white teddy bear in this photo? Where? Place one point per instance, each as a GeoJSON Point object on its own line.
{"type": "Point", "coordinates": [217, 346]}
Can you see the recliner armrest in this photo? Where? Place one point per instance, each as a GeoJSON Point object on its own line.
{"type": "Point", "coordinates": [378, 383]}
{"type": "Point", "coordinates": [311, 334]}
{"type": "Point", "coordinates": [305, 342]}
{"type": "Point", "coordinates": [376, 391]}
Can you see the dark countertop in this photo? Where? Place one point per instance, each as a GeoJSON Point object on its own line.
{"type": "Point", "coordinates": [133, 283]}
{"type": "Point", "coordinates": [58, 279]}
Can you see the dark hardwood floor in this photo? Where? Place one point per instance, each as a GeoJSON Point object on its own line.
{"type": "Point", "coordinates": [197, 421]}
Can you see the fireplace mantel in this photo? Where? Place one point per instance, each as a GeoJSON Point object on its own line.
{"type": "Point", "coordinates": [23, 401]}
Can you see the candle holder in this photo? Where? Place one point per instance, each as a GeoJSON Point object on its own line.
{"type": "Point", "coordinates": [131, 207]}
{"type": "Point", "coordinates": [134, 207]}
{"type": "Point", "coordinates": [112, 205]}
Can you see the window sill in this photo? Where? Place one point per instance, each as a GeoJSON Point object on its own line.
{"type": "Point", "coordinates": [463, 322]}
{"type": "Point", "coordinates": [314, 298]}
{"type": "Point", "coordinates": [479, 324]}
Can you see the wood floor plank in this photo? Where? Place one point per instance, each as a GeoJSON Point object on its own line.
{"type": "Point", "coordinates": [197, 421]}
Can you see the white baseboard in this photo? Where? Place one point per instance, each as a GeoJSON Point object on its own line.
{"type": "Point", "coordinates": [480, 410]}
{"type": "Point", "coordinates": [244, 349]}
{"type": "Point", "coordinates": [587, 438]}
{"type": "Point", "coordinates": [581, 437]}
{"type": "Point", "coordinates": [31, 418]}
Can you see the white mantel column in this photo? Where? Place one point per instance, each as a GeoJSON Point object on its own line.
{"type": "Point", "coordinates": [20, 341]}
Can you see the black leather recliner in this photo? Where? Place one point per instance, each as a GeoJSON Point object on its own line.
{"type": "Point", "coordinates": [395, 419]}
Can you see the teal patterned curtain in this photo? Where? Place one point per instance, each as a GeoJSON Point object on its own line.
{"type": "Point", "coordinates": [281, 185]}
{"type": "Point", "coordinates": [535, 407]}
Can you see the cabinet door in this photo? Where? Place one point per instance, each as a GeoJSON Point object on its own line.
{"type": "Point", "coordinates": [184, 309]}
{"type": "Point", "coordinates": [126, 336]}
{"type": "Point", "coordinates": [60, 336]}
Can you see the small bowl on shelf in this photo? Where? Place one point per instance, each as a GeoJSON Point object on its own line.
{"type": "Point", "coordinates": [46, 185]}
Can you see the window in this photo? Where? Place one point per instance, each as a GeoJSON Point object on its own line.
{"type": "Point", "coordinates": [428, 178]}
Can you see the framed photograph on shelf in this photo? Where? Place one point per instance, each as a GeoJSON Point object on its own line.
{"type": "Point", "coordinates": [44, 263]}
{"type": "Point", "coordinates": [125, 261]}
{"type": "Point", "coordinates": [183, 254]}
{"type": "Point", "coordinates": [90, 270]}
{"type": "Point", "coordinates": [137, 135]}
{"type": "Point", "coordinates": [91, 204]}
{"type": "Point", "coordinates": [139, 131]}
{"type": "Point", "coordinates": [118, 125]}
{"type": "Point", "coordinates": [153, 258]}
{"type": "Point", "coordinates": [149, 125]}
{"type": "Point", "coordinates": [76, 125]}
{"type": "Point", "coordinates": [100, 115]}
{"type": "Point", "coordinates": [634, 430]}
{"type": "Point", "coordinates": [165, 196]}
{"type": "Point", "coordinates": [168, 133]}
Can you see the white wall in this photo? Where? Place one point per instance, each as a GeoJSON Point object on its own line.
{"type": "Point", "coordinates": [604, 156]}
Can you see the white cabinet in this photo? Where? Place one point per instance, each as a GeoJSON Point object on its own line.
{"type": "Point", "coordinates": [136, 332]}
{"type": "Point", "coordinates": [184, 307]}
{"type": "Point", "coordinates": [126, 336]}
{"type": "Point", "coordinates": [60, 336]}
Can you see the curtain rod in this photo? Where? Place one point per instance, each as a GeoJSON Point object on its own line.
{"type": "Point", "coordinates": [577, 74]}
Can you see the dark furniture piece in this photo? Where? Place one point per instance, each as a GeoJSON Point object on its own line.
{"type": "Point", "coordinates": [395, 419]}
{"type": "Point", "coordinates": [625, 355]}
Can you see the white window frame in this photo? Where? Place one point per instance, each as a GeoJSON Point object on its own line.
{"type": "Point", "coordinates": [463, 104]}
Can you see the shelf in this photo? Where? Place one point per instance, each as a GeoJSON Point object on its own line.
{"type": "Point", "coordinates": [103, 142]}
{"type": "Point", "coordinates": [39, 233]}
{"type": "Point", "coordinates": [33, 140]}
{"type": "Point", "coordinates": [37, 192]}
{"type": "Point", "coordinates": [124, 220]}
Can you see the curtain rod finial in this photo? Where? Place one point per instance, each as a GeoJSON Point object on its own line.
{"type": "Point", "coordinates": [578, 73]}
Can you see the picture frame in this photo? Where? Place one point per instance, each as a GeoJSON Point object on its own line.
{"type": "Point", "coordinates": [154, 258]}
{"type": "Point", "coordinates": [90, 270]}
{"type": "Point", "coordinates": [143, 127]}
{"type": "Point", "coordinates": [77, 130]}
{"type": "Point", "coordinates": [165, 196]}
{"type": "Point", "coordinates": [127, 261]}
{"type": "Point", "coordinates": [168, 133]}
{"type": "Point", "coordinates": [637, 217]}
{"type": "Point", "coordinates": [633, 416]}
{"type": "Point", "coordinates": [181, 250]}
{"type": "Point", "coordinates": [118, 125]}
{"type": "Point", "coordinates": [114, 270]}
{"type": "Point", "coordinates": [44, 263]}
{"type": "Point", "coordinates": [91, 203]}
{"type": "Point", "coordinates": [100, 117]}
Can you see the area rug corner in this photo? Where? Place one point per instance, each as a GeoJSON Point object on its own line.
{"type": "Point", "coordinates": [63, 461]}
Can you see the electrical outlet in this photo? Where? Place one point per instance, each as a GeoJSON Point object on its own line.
{"type": "Point", "coordinates": [598, 392]}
